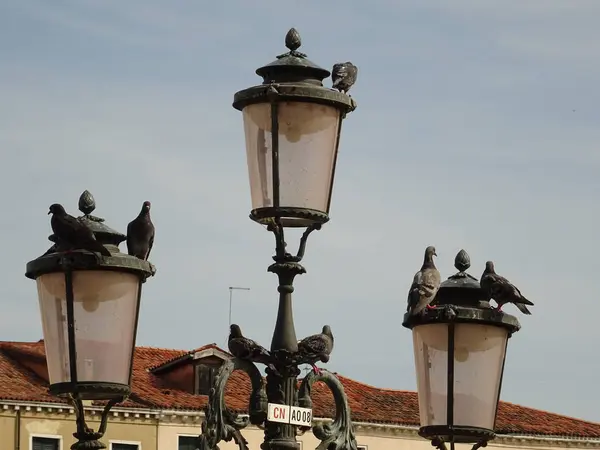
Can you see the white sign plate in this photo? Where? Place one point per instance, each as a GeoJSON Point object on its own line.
{"type": "Point", "coordinates": [278, 413]}
{"type": "Point", "coordinates": [301, 416]}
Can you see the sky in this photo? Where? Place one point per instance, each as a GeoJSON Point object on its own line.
{"type": "Point", "coordinates": [476, 128]}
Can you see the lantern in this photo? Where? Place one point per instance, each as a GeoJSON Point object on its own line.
{"type": "Point", "coordinates": [292, 127]}
{"type": "Point", "coordinates": [89, 306]}
{"type": "Point", "coordinates": [460, 348]}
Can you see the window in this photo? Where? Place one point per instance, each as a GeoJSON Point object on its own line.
{"type": "Point", "coordinates": [124, 445]}
{"type": "Point", "coordinates": [45, 443]}
{"type": "Point", "coordinates": [187, 443]}
{"type": "Point", "coordinates": [205, 375]}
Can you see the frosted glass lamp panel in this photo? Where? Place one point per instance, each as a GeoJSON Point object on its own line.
{"type": "Point", "coordinates": [257, 126]}
{"type": "Point", "coordinates": [105, 323]}
{"type": "Point", "coordinates": [308, 135]}
{"type": "Point", "coordinates": [53, 309]}
{"type": "Point", "coordinates": [479, 352]}
{"type": "Point", "coordinates": [431, 357]}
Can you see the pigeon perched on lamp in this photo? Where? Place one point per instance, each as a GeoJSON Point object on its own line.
{"type": "Point", "coordinates": [315, 348]}
{"type": "Point", "coordinates": [425, 285]}
{"type": "Point", "coordinates": [344, 76]}
{"type": "Point", "coordinates": [245, 348]}
{"type": "Point", "coordinates": [72, 234]}
{"type": "Point", "coordinates": [501, 290]}
{"type": "Point", "coordinates": [140, 234]}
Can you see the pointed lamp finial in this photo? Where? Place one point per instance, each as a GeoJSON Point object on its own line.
{"type": "Point", "coordinates": [462, 261]}
{"type": "Point", "coordinates": [292, 40]}
{"type": "Point", "coordinates": [87, 204]}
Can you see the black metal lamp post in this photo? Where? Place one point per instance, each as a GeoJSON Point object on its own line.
{"type": "Point", "coordinates": [460, 348]}
{"type": "Point", "coordinates": [292, 127]}
{"type": "Point", "coordinates": [89, 305]}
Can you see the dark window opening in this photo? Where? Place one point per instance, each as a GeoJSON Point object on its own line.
{"type": "Point", "coordinates": [187, 443]}
{"type": "Point", "coordinates": [205, 375]}
{"type": "Point", "coordinates": [117, 446]}
{"type": "Point", "coordinates": [40, 443]}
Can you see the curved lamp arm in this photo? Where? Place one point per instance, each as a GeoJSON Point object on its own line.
{"type": "Point", "coordinates": [338, 435]}
{"type": "Point", "coordinates": [86, 437]}
{"type": "Point", "coordinates": [220, 423]}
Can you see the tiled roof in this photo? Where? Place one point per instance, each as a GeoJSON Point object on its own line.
{"type": "Point", "coordinates": [368, 403]}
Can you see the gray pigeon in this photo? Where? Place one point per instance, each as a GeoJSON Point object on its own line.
{"type": "Point", "coordinates": [244, 348]}
{"type": "Point", "coordinates": [501, 290]}
{"type": "Point", "coordinates": [317, 347]}
{"type": "Point", "coordinates": [140, 234]}
{"type": "Point", "coordinates": [72, 233]}
{"type": "Point", "coordinates": [425, 284]}
{"type": "Point", "coordinates": [344, 76]}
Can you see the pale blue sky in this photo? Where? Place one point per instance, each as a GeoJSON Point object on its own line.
{"type": "Point", "coordinates": [477, 128]}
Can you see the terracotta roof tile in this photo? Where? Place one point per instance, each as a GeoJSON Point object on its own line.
{"type": "Point", "coordinates": [368, 403]}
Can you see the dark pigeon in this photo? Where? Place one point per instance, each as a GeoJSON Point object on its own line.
{"type": "Point", "coordinates": [425, 284]}
{"type": "Point", "coordinates": [72, 233]}
{"type": "Point", "coordinates": [317, 347]}
{"type": "Point", "coordinates": [245, 348]}
{"type": "Point", "coordinates": [344, 76]}
{"type": "Point", "coordinates": [140, 234]}
{"type": "Point", "coordinates": [501, 290]}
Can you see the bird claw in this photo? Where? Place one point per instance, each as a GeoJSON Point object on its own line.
{"type": "Point", "coordinates": [431, 307]}
{"type": "Point", "coordinates": [317, 370]}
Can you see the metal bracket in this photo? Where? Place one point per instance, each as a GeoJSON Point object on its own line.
{"type": "Point", "coordinates": [441, 445]}
{"type": "Point", "coordinates": [88, 439]}
{"type": "Point", "coordinates": [220, 423]}
{"type": "Point", "coordinates": [280, 254]}
{"type": "Point", "coordinates": [338, 435]}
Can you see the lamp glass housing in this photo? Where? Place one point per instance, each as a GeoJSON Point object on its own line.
{"type": "Point", "coordinates": [105, 306]}
{"type": "Point", "coordinates": [306, 152]}
{"type": "Point", "coordinates": [478, 355]}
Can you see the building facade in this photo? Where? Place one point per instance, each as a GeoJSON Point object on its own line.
{"type": "Point", "coordinates": [170, 387]}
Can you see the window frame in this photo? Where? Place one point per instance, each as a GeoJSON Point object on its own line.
{"type": "Point", "coordinates": [117, 441]}
{"type": "Point", "coordinates": [197, 369]}
{"type": "Point", "coordinates": [56, 437]}
{"type": "Point", "coordinates": [185, 435]}
{"type": "Point", "coordinates": [362, 447]}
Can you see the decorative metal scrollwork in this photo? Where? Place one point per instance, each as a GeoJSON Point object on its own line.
{"type": "Point", "coordinates": [220, 423]}
{"type": "Point", "coordinates": [338, 435]}
{"type": "Point", "coordinates": [87, 438]}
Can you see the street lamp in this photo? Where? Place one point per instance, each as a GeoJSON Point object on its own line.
{"type": "Point", "coordinates": [89, 305]}
{"type": "Point", "coordinates": [292, 127]}
{"type": "Point", "coordinates": [460, 349]}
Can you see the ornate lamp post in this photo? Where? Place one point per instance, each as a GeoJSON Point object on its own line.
{"type": "Point", "coordinates": [460, 348]}
{"type": "Point", "coordinates": [292, 126]}
{"type": "Point", "coordinates": [89, 305]}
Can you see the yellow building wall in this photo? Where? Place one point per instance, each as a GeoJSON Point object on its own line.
{"type": "Point", "coordinates": [154, 434]}
{"type": "Point", "coordinates": [7, 430]}
{"type": "Point", "coordinates": [142, 431]}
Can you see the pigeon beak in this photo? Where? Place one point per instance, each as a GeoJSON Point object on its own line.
{"type": "Point", "coordinates": [49, 212]}
{"type": "Point", "coordinates": [434, 254]}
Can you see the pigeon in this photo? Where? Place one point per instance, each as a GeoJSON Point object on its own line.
{"type": "Point", "coordinates": [140, 234]}
{"type": "Point", "coordinates": [501, 290]}
{"type": "Point", "coordinates": [245, 348]}
{"type": "Point", "coordinates": [344, 76]}
{"type": "Point", "coordinates": [425, 284]}
{"type": "Point", "coordinates": [317, 347]}
{"type": "Point", "coordinates": [73, 233]}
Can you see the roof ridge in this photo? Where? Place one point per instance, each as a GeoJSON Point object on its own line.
{"type": "Point", "coordinates": [591, 422]}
